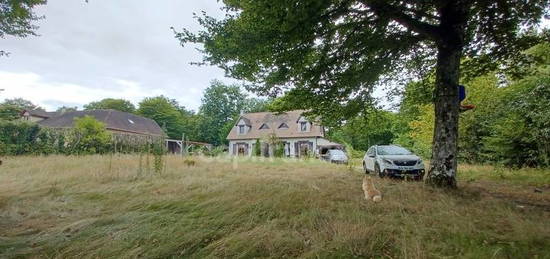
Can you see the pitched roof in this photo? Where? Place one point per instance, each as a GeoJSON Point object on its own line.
{"type": "Point", "coordinates": [41, 113]}
{"type": "Point", "coordinates": [273, 121]}
{"type": "Point", "coordinates": [246, 120]}
{"type": "Point", "coordinates": [114, 120]}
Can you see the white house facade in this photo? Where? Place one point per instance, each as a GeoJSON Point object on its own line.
{"type": "Point", "coordinates": [292, 131]}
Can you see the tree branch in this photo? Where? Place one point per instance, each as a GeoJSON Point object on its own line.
{"type": "Point", "coordinates": [381, 8]}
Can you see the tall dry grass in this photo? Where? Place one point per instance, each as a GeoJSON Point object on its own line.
{"type": "Point", "coordinates": [95, 207]}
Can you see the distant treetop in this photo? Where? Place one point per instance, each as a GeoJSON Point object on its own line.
{"type": "Point", "coordinates": [110, 103]}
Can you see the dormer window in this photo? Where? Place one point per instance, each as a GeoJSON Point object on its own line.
{"type": "Point", "coordinates": [243, 126]}
{"type": "Point", "coordinates": [264, 126]}
{"type": "Point", "coordinates": [303, 126]}
{"type": "Point", "coordinates": [283, 126]}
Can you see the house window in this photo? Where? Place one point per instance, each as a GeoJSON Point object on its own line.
{"type": "Point", "coordinates": [264, 126]}
{"type": "Point", "coordinates": [303, 126]}
{"type": "Point", "coordinates": [303, 148]}
{"type": "Point", "coordinates": [283, 126]}
{"type": "Point", "coordinates": [242, 149]}
{"type": "Point", "coordinates": [241, 129]}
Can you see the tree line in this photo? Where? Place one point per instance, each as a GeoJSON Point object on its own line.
{"type": "Point", "coordinates": [88, 136]}
{"type": "Point", "coordinates": [220, 106]}
{"type": "Point", "coordinates": [510, 124]}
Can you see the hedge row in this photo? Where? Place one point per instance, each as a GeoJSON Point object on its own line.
{"type": "Point", "coordinates": [89, 136]}
{"type": "Point", "coordinates": [19, 138]}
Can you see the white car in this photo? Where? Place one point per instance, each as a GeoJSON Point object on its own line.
{"type": "Point", "coordinates": [393, 161]}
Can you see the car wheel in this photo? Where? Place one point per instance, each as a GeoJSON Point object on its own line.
{"type": "Point", "coordinates": [377, 171]}
{"type": "Point", "coordinates": [365, 168]}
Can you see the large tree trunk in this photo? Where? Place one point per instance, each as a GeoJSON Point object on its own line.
{"type": "Point", "coordinates": [443, 166]}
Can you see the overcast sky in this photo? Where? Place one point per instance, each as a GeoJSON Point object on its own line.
{"type": "Point", "coordinates": [109, 49]}
{"type": "Point", "coordinates": [118, 49]}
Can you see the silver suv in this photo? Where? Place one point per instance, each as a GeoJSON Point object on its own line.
{"type": "Point", "coordinates": [393, 161]}
{"type": "Point", "coordinates": [335, 156]}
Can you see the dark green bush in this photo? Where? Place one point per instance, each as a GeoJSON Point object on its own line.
{"type": "Point", "coordinates": [89, 136]}
{"type": "Point", "coordinates": [258, 148]}
{"type": "Point", "coordinates": [19, 138]}
{"type": "Point", "coordinates": [279, 149]}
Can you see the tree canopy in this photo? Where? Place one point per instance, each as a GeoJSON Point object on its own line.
{"type": "Point", "coordinates": [508, 126]}
{"type": "Point", "coordinates": [17, 18]}
{"type": "Point", "coordinates": [64, 109]}
{"type": "Point", "coordinates": [376, 127]}
{"type": "Point", "coordinates": [10, 109]}
{"type": "Point", "coordinates": [9, 112]}
{"type": "Point", "coordinates": [21, 104]}
{"type": "Point", "coordinates": [172, 117]}
{"type": "Point", "coordinates": [221, 105]}
{"type": "Point", "coordinates": [336, 51]}
{"type": "Point", "coordinates": [110, 103]}
{"type": "Point", "coordinates": [222, 101]}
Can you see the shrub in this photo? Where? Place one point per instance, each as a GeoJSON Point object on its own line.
{"type": "Point", "coordinates": [159, 150]}
{"type": "Point", "coordinates": [215, 151]}
{"type": "Point", "coordinates": [521, 136]}
{"type": "Point", "coordinates": [9, 112]}
{"type": "Point", "coordinates": [422, 130]}
{"type": "Point", "coordinates": [279, 149]}
{"type": "Point", "coordinates": [258, 148]}
{"type": "Point", "coordinates": [90, 136]}
{"type": "Point", "coordinates": [19, 138]}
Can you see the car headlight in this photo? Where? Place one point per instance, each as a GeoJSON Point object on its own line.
{"type": "Point", "coordinates": [419, 162]}
{"type": "Point", "coordinates": [389, 162]}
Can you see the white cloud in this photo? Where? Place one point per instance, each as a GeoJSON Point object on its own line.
{"type": "Point", "coordinates": [117, 49]}
{"type": "Point", "coordinates": [51, 95]}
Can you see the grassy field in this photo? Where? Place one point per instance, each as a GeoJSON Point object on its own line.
{"type": "Point", "coordinates": [110, 207]}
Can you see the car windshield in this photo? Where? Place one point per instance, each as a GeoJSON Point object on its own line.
{"type": "Point", "coordinates": [337, 152]}
{"type": "Point", "coordinates": [393, 150]}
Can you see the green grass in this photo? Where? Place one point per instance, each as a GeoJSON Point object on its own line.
{"type": "Point", "coordinates": [81, 207]}
{"type": "Point", "coordinates": [525, 176]}
{"type": "Point", "coordinates": [539, 177]}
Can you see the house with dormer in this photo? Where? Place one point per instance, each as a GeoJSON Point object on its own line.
{"type": "Point", "coordinates": [296, 134]}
